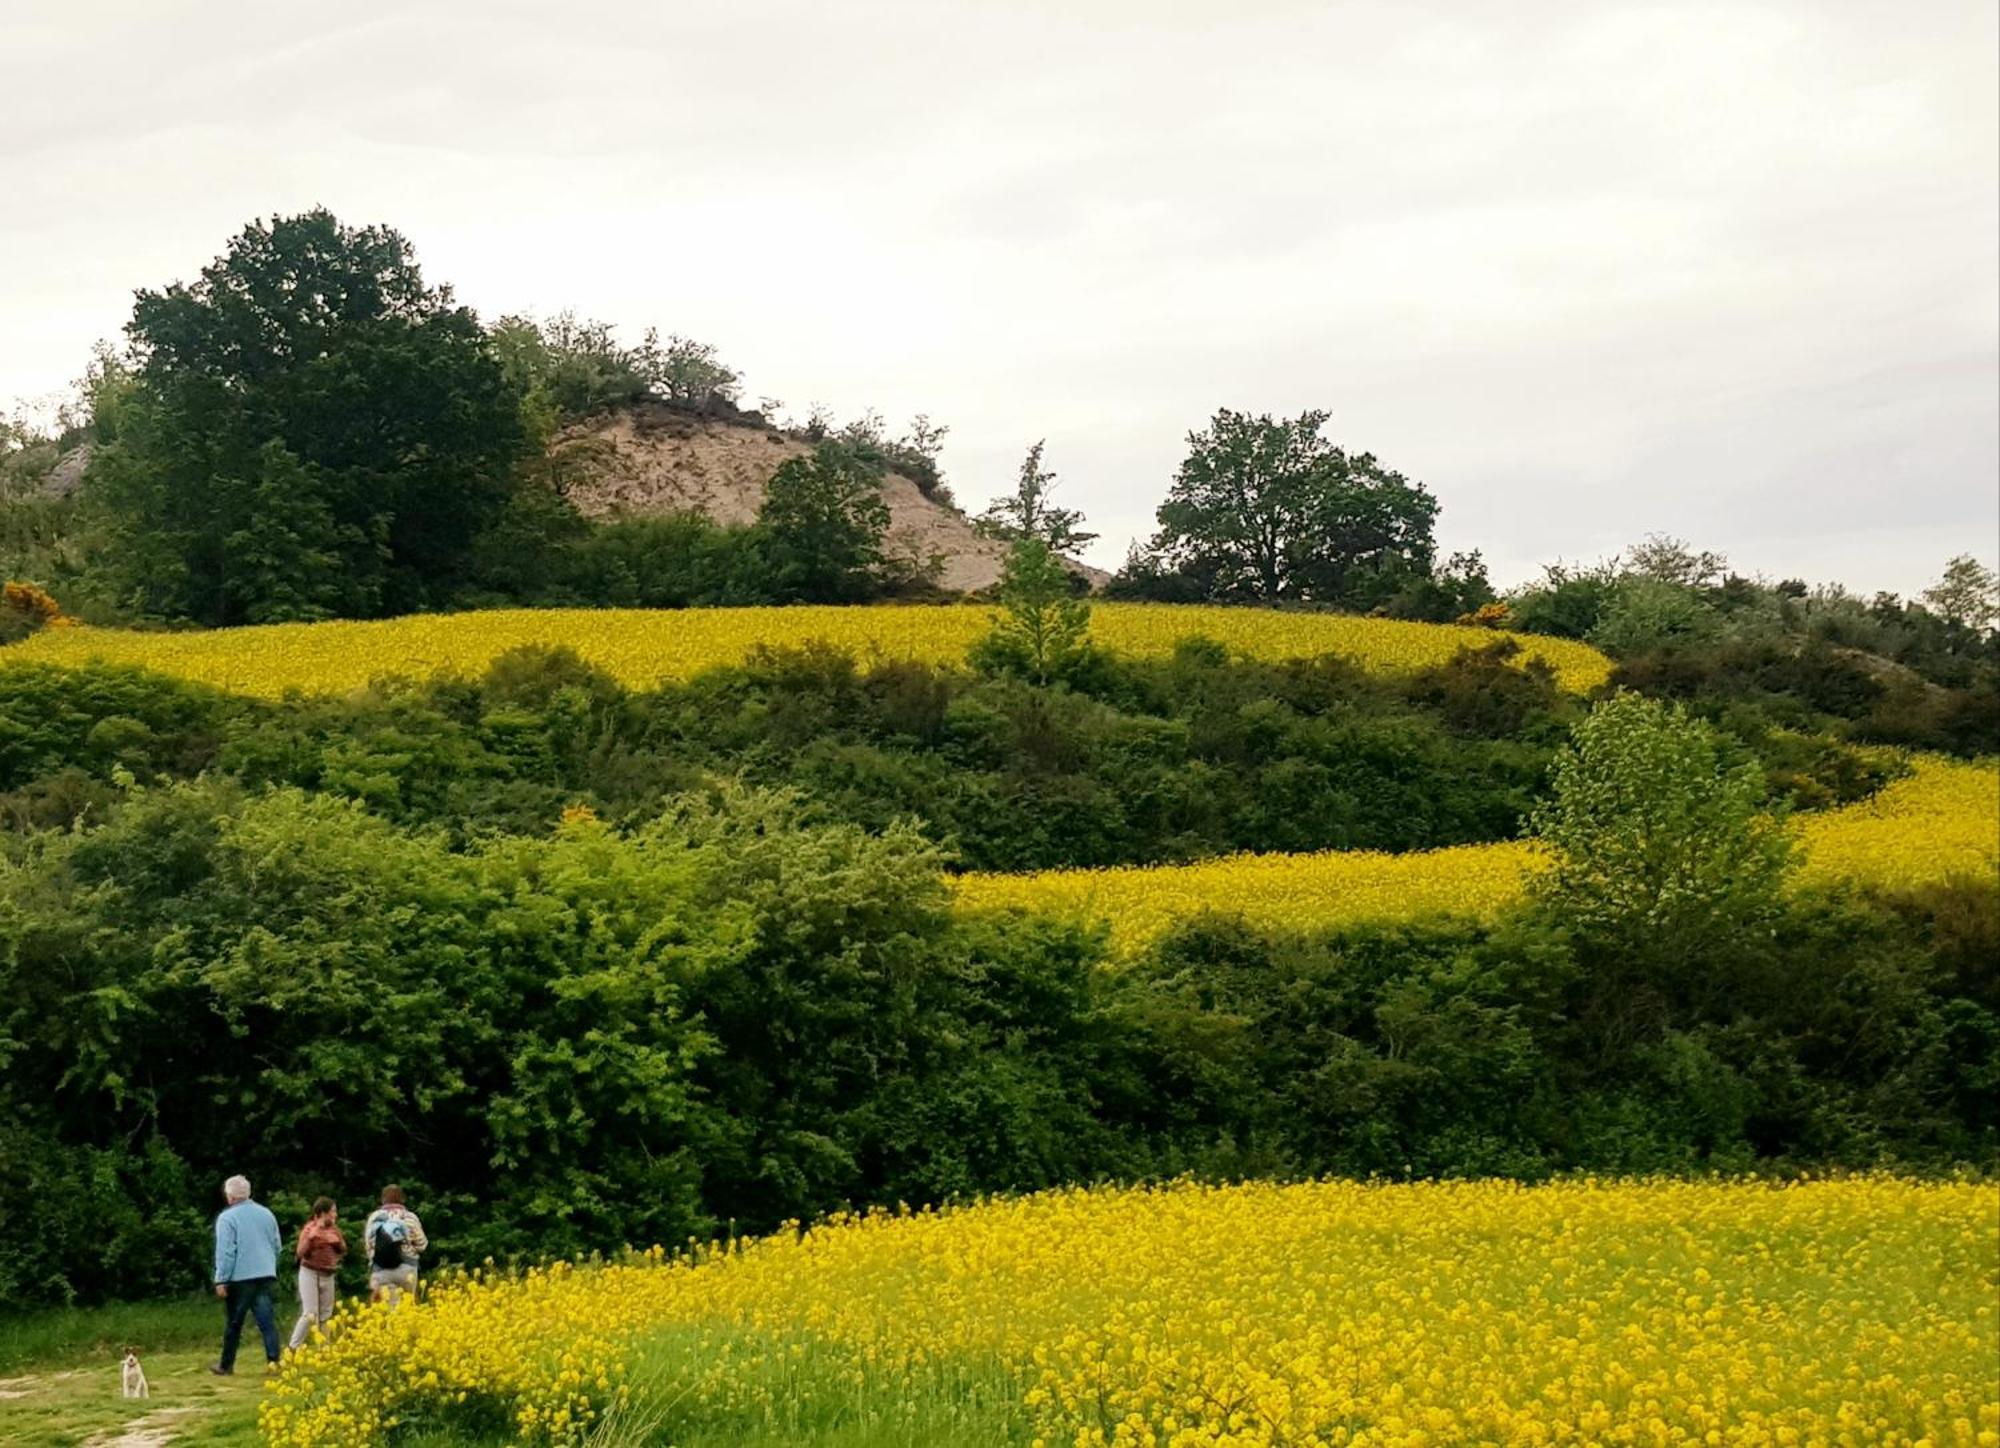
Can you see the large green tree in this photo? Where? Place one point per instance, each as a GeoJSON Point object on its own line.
{"type": "Point", "coordinates": [823, 520]}
{"type": "Point", "coordinates": [314, 431]}
{"type": "Point", "coordinates": [1266, 508]}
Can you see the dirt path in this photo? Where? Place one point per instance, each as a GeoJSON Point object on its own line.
{"type": "Point", "coordinates": [155, 1430]}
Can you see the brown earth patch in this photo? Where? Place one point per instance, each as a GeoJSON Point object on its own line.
{"type": "Point", "coordinates": [653, 460]}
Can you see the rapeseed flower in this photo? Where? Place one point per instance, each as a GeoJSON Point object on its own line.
{"type": "Point", "coordinates": [645, 648]}
{"type": "Point", "coordinates": [1634, 1312]}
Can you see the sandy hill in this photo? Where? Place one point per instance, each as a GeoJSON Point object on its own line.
{"type": "Point", "coordinates": [654, 458]}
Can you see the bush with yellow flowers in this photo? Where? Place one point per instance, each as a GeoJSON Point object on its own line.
{"type": "Point", "coordinates": [1864, 1310]}
{"type": "Point", "coordinates": [529, 1355]}
{"type": "Point", "coordinates": [26, 608]}
{"type": "Point", "coordinates": [1487, 615]}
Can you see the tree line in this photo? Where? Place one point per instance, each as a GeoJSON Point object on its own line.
{"type": "Point", "coordinates": [312, 429]}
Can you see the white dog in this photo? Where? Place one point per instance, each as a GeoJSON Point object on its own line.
{"type": "Point", "coordinates": [135, 1377]}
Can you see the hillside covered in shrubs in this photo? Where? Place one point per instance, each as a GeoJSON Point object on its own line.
{"type": "Point", "coordinates": [594, 927]}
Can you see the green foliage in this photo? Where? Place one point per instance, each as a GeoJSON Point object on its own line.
{"type": "Point", "coordinates": [1925, 675]}
{"type": "Point", "coordinates": [44, 536]}
{"type": "Point", "coordinates": [1028, 512]}
{"type": "Point", "coordinates": [502, 1024]}
{"type": "Point", "coordinates": [1265, 508]}
{"type": "Point", "coordinates": [566, 367]}
{"type": "Point", "coordinates": [1663, 846]}
{"type": "Point", "coordinates": [1043, 631]}
{"type": "Point", "coordinates": [1133, 762]}
{"type": "Point", "coordinates": [683, 370]}
{"type": "Point", "coordinates": [1457, 587]}
{"type": "Point", "coordinates": [1485, 693]}
{"type": "Point", "coordinates": [702, 1001]}
{"type": "Point", "coordinates": [823, 520]}
{"type": "Point", "coordinates": [570, 367]}
{"type": "Point", "coordinates": [543, 554]}
{"type": "Point", "coordinates": [312, 430]}
{"type": "Point", "coordinates": [1967, 596]}
{"type": "Point", "coordinates": [914, 454]}
{"type": "Point", "coordinates": [559, 1043]}
{"type": "Point", "coordinates": [1647, 613]}
{"type": "Point", "coordinates": [97, 719]}
{"type": "Point", "coordinates": [288, 560]}
{"type": "Point", "coordinates": [1448, 1049]}
{"type": "Point", "coordinates": [1567, 603]}
{"type": "Point", "coordinates": [678, 561]}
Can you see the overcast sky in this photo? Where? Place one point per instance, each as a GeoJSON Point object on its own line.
{"type": "Point", "coordinates": [1587, 269]}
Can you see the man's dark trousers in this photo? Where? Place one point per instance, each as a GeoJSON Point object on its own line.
{"type": "Point", "coordinates": [252, 1297]}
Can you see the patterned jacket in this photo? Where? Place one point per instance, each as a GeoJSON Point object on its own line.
{"type": "Point", "coordinates": [321, 1245]}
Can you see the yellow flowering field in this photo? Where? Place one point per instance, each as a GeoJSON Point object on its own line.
{"type": "Point", "coordinates": [644, 647]}
{"type": "Point", "coordinates": [1298, 892]}
{"type": "Point", "coordinates": [1940, 821]}
{"type": "Point", "coordinates": [1855, 1311]}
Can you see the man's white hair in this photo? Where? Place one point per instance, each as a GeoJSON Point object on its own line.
{"type": "Point", "coordinates": [237, 1189]}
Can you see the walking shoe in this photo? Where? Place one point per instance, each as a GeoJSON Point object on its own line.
{"type": "Point", "coordinates": [220, 1371]}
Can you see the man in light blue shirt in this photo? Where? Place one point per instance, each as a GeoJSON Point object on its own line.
{"type": "Point", "coordinates": [246, 1269]}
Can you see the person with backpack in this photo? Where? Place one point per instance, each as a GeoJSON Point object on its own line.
{"type": "Point", "coordinates": [246, 1269]}
{"type": "Point", "coordinates": [395, 1242]}
{"type": "Point", "coordinates": [318, 1252]}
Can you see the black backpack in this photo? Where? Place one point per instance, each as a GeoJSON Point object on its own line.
{"type": "Point", "coordinates": [385, 1243]}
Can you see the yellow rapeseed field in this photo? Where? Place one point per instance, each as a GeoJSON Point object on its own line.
{"type": "Point", "coordinates": [644, 648]}
{"type": "Point", "coordinates": [1941, 821]}
{"type": "Point", "coordinates": [1657, 1312]}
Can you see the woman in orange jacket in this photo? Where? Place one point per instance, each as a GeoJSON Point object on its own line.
{"type": "Point", "coordinates": [319, 1250]}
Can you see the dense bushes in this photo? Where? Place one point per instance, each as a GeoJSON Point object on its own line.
{"type": "Point", "coordinates": [557, 957]}
{"type": "Point", "coordinates": [1456, 1049]}
{"type": "Point", "coordinates": [1137, 762]}
{"type": "Point", "coordinates": [1825, 689]}
{"type": "Point", "coordinates": [1922, 674]}
{"type": "Point", "coordinates": [1142, 761]}
{"type": "Point", "coordinates": [731, 1014]}
{"type": "Point", "coordinates": [560, 1043]}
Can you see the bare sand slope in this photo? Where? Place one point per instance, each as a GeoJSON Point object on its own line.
{"type": "Point", "coordinates": [651, 460]}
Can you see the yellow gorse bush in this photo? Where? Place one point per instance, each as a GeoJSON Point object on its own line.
{"type": "Point", "coordinates": [1941, 821]}
{"type": "Point", "coordinates": [644, 648]}
{"type": "Point", "coordinates": [1640, 1312]}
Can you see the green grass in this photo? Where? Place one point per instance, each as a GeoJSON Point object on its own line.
{"type": "Point", "coordinates": [63, 1364]}
{"type": "Point", "coordinates": [59, 1375]}
{"type": "Point", "coordinates": [733, 1390]}
{"type": "Point", "coordinates": [65, 1336]}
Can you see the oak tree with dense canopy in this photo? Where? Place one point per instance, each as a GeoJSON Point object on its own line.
{"type": "Point", "coordinates": [1266, 508]}
{"type": "Point", "coordinates": [314, 431]}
